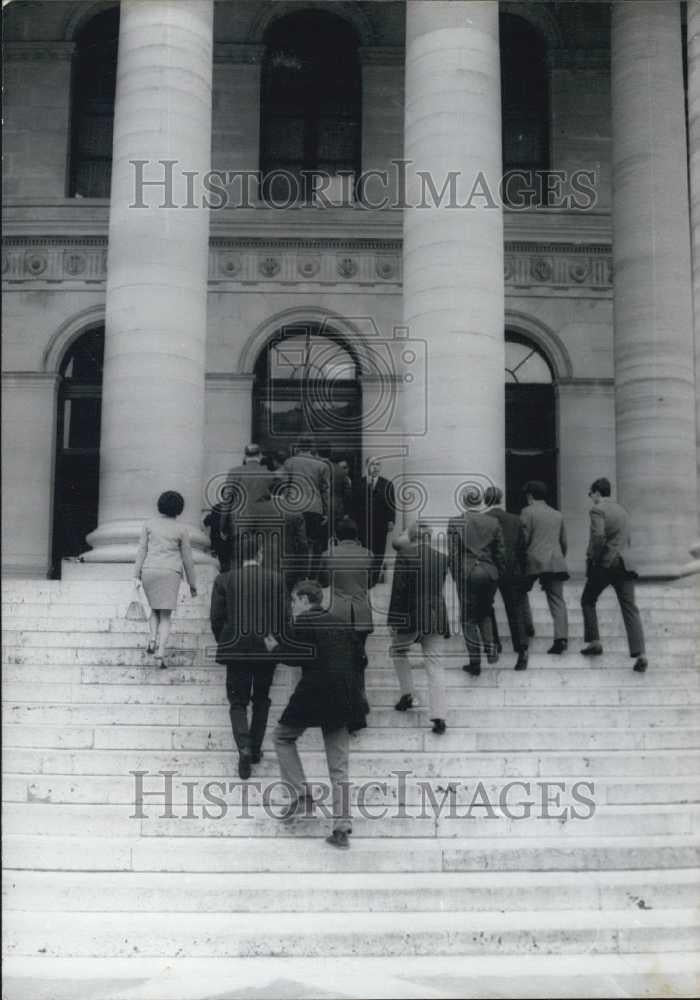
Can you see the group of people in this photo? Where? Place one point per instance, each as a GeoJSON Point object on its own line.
{"type": "Point", "coordinates": [288, 535]}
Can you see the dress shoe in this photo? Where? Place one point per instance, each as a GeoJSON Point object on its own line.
{"type": "Point", "coordinates": [492, 655]}
{"type": "Point", "coordinates": [244, 762]}
{"type": "Point", "coordinates": [256, 756]}
{"type": "Point", "coordinates": [474, 669]}
{"type": "Point", "coordinates": [339, 839]}
{"type": "Point", "coordinates": [499, 647]}
{"type": "Point", "coordinates": [640, 665]}
{"type": "Point", "coordinates": [558, 647]}
{"type": "Point", "coordinates": [404, 703]}
{"type": "Point", "coordinates": [521, 662]}
{"type": "Point", "coordinates": [530, 630]}
{"type": "Point", "coordinates": [439, 726]}
{"type": "Point", "coordinates": [151, 647]}
{"type": "Point", "coordinates": [592, 649]}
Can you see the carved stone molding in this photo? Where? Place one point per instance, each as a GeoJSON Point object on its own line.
{"type": "Point", "coordinates": [381, 55]}
{"type": "Point", "coordinates": [232, 52]}
{"type": "Point", "coordinates": [38, 51]}
{"type": "Point", "coordinates": [559, 267]}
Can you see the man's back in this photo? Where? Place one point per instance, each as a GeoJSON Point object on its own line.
{"type": "Point", "coordinates": [311, 476]}
{"type": "Point", "coordinates": [247, 604]}
{"type": "Point", "coordinates": [245, 486]}
{"type": "Point", "coordinates": [610, 534]}
{"type": "Point", "coordinates": [545, 537]}
{"type": "Point", "coordinates": [513, 539]}
{"type": "Point", "coordinates": [475, 537]}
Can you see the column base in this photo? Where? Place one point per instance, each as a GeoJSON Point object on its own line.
{"type": "Point", "coordinates": [117, 542]}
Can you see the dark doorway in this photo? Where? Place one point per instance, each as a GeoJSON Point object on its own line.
{"type": "Point", "coordinates": [531, 436]}
{"type": "Point", "coordinates": [306, 383]}
{"type": "Point", "coordinates": [77, 472]}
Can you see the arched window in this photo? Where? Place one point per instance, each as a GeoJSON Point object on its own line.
{"type": "Point", "coordinates": [310, 108]}
{"type": "Point", "coordinates": [306, 383]}
{"type": "Point", "coordinates": [531, 433]}
{"type": "Point", "coordinates": [76, 480]}
{"type": "Point", "coordinates": [92, 117]}
{"type": "Point", "coordinates": [525, 103]}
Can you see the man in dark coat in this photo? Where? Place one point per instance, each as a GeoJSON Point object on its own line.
{"type": "Point", "coordinates": [245, 485]}
{"type": "Point", "coordinates": [418, 613]}
{"type": "Point", "coordinates": [608, 564]}
{"type": "Point", "coordinates": [328, 696]}
{"type": "Point", "coordinates": [477, 561]}
{"type": "Point", "coordinates": [345, 568]}
{"type": "Point", "coordinates": [511, 583]}
{"type": "Point", "coordinates": [282, 532]}
{"type": "Point", "coordinates": [375, 514]}
{"type": "Point", "coordinates": [311, 477]}
{"type": "Point", "coordinates": [217, 522]}
{"type": "Point", "coordinates": [545, 557]}
{"type": "Point", "coordinates": [248, 611]}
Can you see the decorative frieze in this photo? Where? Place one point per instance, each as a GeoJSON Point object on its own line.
{"type": "Point", "coordinates": [356, 262]}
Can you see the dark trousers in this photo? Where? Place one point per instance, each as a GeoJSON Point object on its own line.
{"type": "Point", "coordinates": [553, 587]}
{"type": "Point", "coordinates": [517, 605]}
{"type": "Point", "coordinates": [476, 601]}
{"type": "Point", "coordinates": [317, 538]}
{"type": "Point", "coordinates": [246, 681]}
{"type": "Point", "coordinates": [598, 579]}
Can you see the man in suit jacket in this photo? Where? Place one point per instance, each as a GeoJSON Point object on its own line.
{"type": "Point", "coordinates": [608, 564]}
{"type": "Point", "coordinates": [545, 539]}
{"type": "Point", "coordinates": [418, 613]}
{"type": "Point", "coordinates": [376, 514]}
{"type": "Point", "coordinates": [245, 486]}
{"type": "Point", "coordinates": [247, 618]}
{"type": "Point", "coordinates": [477, 560]}
{"type": "Point", "coordinates": [345, 568]}
{"type": "Point", "coordinates": [282, 531]}
{"type": "Point", "coordinates": [310, 475]}
{"type": "Point", "coordinates": [328, 695]}
{"type": "Point", "coordinates": [511, 583]}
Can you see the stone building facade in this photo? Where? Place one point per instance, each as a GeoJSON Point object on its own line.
{"type": "Point", "coordinates": [458, 337]}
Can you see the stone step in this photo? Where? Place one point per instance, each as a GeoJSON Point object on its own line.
{"type": "Point", "coordinates": [121, 789]}
{"type": "Point", "coordinates": [565, 817]}
{"type": "Point", "coordinates": [374, 738]}
{"type": "Point", "coordinates": [265, 892]}
{"type": "Point", "coordinates": [108, 713]}
{"type": "Point", "coordinates": [379, 764]}
{"type": "Point", "coordinates": [312, 854]}
{"type": "Point", "coordinates": [337, 934]}
{"type": "Point", "coordinates": [463, 691]}
{"type": "Point", "coordinates": [541, 674]}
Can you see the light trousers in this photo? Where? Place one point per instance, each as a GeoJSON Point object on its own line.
{"type": "Point", "coordinates": [432, 662]}
{"type": "Point", "coordinates": [337, 746]}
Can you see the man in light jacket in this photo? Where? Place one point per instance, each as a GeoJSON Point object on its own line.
{"type": "Point", "coordinates": [310, 476]}
{"type": "Point", "coordinates": [608, 564]}
{"type": "Point", "coordinates": [545, 540]}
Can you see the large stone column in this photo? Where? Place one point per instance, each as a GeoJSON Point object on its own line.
{"type": "Point", "coordinates": [694, 162]}
{"type": "Point", "coordinates": [153, 398]}
{"type": "Point", "coordinates": [453, 250]}
{"type": "Point", "coordinates": [654, 382]}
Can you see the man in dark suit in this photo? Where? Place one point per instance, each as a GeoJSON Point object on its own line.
{"type": "Point", "coordinates": [608, 564]}
{"type": "Point", "coordinates": [247, 618]}
{"type": "Point", "coordinates": [477, 561]}
{"type": "Point", "coordinates": [328, 695]}
{"type": "Point", "coordinates": [311, 477]}
{"type": "Point", "coordinates": [245, 486]}
{"type": "Point", "coordinates": [375, 514]}
{"type": "Point", "coordinates": [511, 583]}
{"type": "Point", "coordinates": [345, 568]}
{"type": "Point", "coordinates": [545, 539]}
{"type": "Point", "coordinates": [282, 531]}
{"type": "Point", "coordinates": [418, 613]}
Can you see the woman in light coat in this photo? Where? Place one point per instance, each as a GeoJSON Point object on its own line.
{"type": "Point", "coordinates": [164, 551]}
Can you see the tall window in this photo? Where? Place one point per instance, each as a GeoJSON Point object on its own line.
{"type": "Point", "coordinates": [525, 99]}
{"type": "Point", "coordinates": [92, 122]}
{"type": "Point", "coordinates": [531, 435]}
{"type": "Point", "coordinates": [310, 107]}
{"type": "Point", "coordinates": [76, 483]}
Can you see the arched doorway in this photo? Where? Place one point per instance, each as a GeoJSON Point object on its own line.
{"type": "Point", "coordinates": [77, 470]}
{"type": "Point", "coordinates": [306, 383]}
{"type": "Point", "coordinates": [531, 429]}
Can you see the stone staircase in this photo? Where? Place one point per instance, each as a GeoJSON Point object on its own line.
{"type": "Point", "coordinates": [445, 859]}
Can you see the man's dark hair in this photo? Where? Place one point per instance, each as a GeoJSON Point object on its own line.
{"type": "Point", "coordinates": [310, 589]}
{"type": "Point", "coordinates": [601, 486]}
{"type": "Point", "coordinates": [492, 496]}
{"type": "Point", "coordinates": [304, 444]}
{"type": "Point", "coordinates": [171, 503]}
{"type": "Point", "coordinates": [346, 529]}
{"type": "Point", "coordinates": [536, 489]}
{"type": "Point", "coordinates": [252, 451]}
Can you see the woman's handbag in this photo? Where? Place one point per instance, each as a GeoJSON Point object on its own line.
{"type": "Point", "coordinates": [136, 612]}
